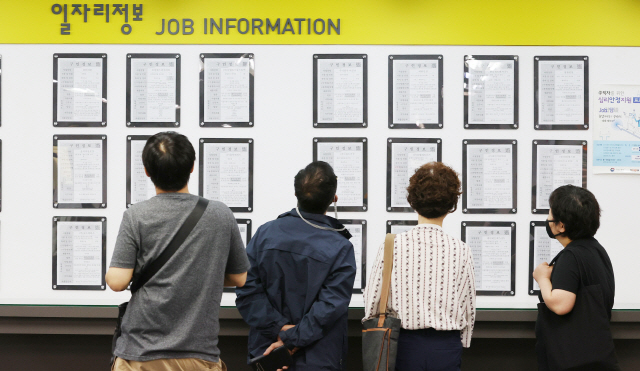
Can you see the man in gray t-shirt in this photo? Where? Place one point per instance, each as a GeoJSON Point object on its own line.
{"type": "Point", "coordinates": [172, 321]}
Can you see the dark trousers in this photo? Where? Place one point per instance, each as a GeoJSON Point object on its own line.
{"type": "Point", "coordinates": [429, 350]}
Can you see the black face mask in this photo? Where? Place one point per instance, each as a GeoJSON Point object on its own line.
{"type": "Point", "coordinates": [549, 232]}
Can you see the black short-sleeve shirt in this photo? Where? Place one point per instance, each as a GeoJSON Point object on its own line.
{"type": "Point", "coordinates": [597, 269]}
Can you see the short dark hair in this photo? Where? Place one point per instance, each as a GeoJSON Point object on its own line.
{"type": "Point", "coordinates": [578, 209]}
{"type": "Point", "coordinates": [169, 158]}
{"type": "Point", "coordinates": [315, 187]}
{"type": "Point", "coordinates": [434, 190]}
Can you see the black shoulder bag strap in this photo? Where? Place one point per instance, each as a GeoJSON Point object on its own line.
{"type": "Point", "coordinates": [156, 265]}
{"type": "Point", "coordinates": [585, 277]}
{"type": "Point", "coordinates": [555, 259]}
{"type": "Point", "coordinates": [174, 245]}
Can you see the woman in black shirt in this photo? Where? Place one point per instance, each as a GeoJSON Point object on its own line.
{"type": "Point", "coordinates": [574, 218]}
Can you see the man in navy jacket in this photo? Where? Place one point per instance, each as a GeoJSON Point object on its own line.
{"type": "Point", "coordinates": [301, 278]}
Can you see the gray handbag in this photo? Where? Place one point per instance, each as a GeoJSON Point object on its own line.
{"type": "Point", "coordinates": [380, 335]}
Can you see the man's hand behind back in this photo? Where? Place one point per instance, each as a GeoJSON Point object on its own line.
{"type": "Point", "coordinates": [279, 344]}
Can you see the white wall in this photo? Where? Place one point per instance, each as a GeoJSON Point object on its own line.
{"type": "Point", "coordinates": [283, 135]}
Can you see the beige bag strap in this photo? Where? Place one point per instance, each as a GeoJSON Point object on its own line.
{"type": "Point", "coordinates": [386, 276]}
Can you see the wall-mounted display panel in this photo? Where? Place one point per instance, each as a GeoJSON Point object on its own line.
{"type": "Point", "coordinates": [358, 230]}
{"type": "Point", "coordinates": [79, 90]}
{"type": "Point", "coordinates": [348, 157]}
{"type": "Point", "coordinates": [139, 185]}
{"type": "Point", "coordinates": [284, 147]}
{"type": "Point", "coordinates": [79, 171]}
{"type": "Point", "coordinates": [416, 91]}
{"type": "Point", "coordinates": [226, 89]}
{"type": "Point", "coordinates": [0, 90]}
{"type": "Point", "coordinates": [226, 172]}
{"type": "Point", "coordinates": [79, 253]}
{"type": "Point", "coordinates": [556, 163]}
{"type": "Point", "coordinates": [340, 91]}
{"type": "Point", "coordinates": [153, 90]}
{"type": "Point", "coordinates": [404, 157]}
{"type": "Point", "coordinates": [561, 93]}
{"type": "Point", "coordinates": [0, 175]}
{"type": "Point", "coordinates": [493, 246]}
{"type": "Point", "coordinates": [491, 92]}
{"type": "Point", "coordinates": [400, 226]}
{"type": "Point", "coordinates": [489, 176]}
{"type": "Point", "coordinates": [541, 249]}
{"type": "Point", "coordinates": [244, 225]}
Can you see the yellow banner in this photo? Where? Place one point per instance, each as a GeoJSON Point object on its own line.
{"type": "Point", "coordinates": [403, 22]}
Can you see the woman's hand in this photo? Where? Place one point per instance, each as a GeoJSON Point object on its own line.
{"type": "Point", "coordinates": [558, 301]}
{"type": "Point", "coordinates": [542, 271]}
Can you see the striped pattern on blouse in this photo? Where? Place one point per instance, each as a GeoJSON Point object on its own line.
{"type": "Point", "coordinates": [432, 282]}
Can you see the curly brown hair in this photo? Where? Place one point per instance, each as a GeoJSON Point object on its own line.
{"type": "Point", "coordinates": [434, 190]}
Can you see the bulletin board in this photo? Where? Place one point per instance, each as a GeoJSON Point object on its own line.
{"type": "Point", "coordinates": [282, 137]}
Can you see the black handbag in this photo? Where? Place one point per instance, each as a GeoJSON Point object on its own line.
{"type": "Point", "coordinates": [580, 339]}
{"type": "Point", "coordinates": [152, 268]}
{"type": "Point", "coordinates": [380, 335]}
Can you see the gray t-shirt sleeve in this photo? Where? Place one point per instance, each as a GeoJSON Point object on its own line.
{"type": "Point", "coordinates": [126, 250]}
{"type": "Point", "coordinates": [238, 261]}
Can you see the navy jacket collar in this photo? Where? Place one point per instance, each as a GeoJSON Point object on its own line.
{"type": "Point", "coordinates": [322, 220]}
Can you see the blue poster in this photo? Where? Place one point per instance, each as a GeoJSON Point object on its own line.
{"type": "Point", "coordinates": [616, 134]}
